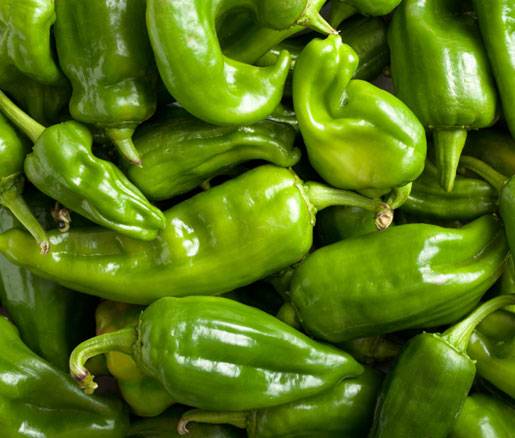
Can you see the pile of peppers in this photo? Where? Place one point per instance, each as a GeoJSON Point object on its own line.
{"type": "Point", "coordinates": [262, 218]}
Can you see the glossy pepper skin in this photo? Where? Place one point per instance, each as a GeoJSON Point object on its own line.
{"type": "Point", "coordinates": [385, 282]}
{"type": "Point", "coordinates": [194, 255]}
{"type": "Point", "coordinates": [214, 353]}
{"type": "Point", "coordinates": [342, 9]}
{"type": "Point", "coordinates": [440, 70]}
{"type": "Point", "coordinates": [143, 394]}
{"type": "Point", "coordinates": [181, 152]}
{"type": "Point", "coordinates": [343, 411]}
{"type": "Point", "coordinates": [51, 319]}
{"type": "Point", "coordinates": [492, 346]}
{"type": "Point", "coordinates": [357, 136]}
{"type": "Point", "coordinates": [434, 370]}
{"type": "Point", "coordinates": [62, 166]}
{"type": "Point", "coordinates": [104, 51]}
{"type": "Point", "coordinates": [210, 85]}
{"type": "Point", "coordinates": [484, 416]}
{"type": "Point", "coordinates": [497, 24]}
{"type": "Point", "coordinates": [39, 400]}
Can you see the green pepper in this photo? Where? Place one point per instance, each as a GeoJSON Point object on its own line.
{"type": "Point", "coordinates": [345, 410]}
{"type": "Point", "coordinates": [357, 136]}
{"type": "Point", "coordinates": [180, 153]}
{"type": "Point", "coordinates": [410, 276]}
{"type": "Point", "coordinates": [425, 391]}
{"type": "Point", "coordinates": [63, 167]}
{"type": "Point", "coordinates": [214, 353]}
{"type": "Point", "coordinates": [209, 84]}
{"type": "Point", "coordinates": [143, 394]}
{"type": "Point", "coordinates": [342, 9]}
{"type": "Point", "coordinates": [440, 70]}
{"type": "Point", "coordinates": [39, 400]}
{"type": "Point", "coordinates": [484, 416]}
{"type": "Point", "coordinates": [497, 24]}
{"type": "Point", "coordinates": [104, 50]}
{"type": "Point", "coordinates": [492, 346]}
{"type": "Point", "coordinates": [243, 218]}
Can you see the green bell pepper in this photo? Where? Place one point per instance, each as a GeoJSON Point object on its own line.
{"type": "Point", "coordinates": [62, 166]}
{"type": "Point", "coordinates": [343, 411]}
{"type": "Point", "coordinates": [357, 136]}
{"type": "Point", "coordinates": [104, 50]}
{"type": "Point", "coordinates": [209, 84]}
{"type": "Point", "coordinates": [214, 353]}
{"type": "Point", "coordinates": [342, 9]}
{"type": "Point", "coordinates": [145, 395]}
{"type": "Point", "coordinates": [440, 70]}
{"type": "Point", "coordinates": [410, 276]}
{"type": "Point", "coordinates": [243, 218]}
{"type": "Point", "coordinates": [425, 391]}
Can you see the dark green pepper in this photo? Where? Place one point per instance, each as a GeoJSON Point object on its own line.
{"type": "Point", "coordinates": [180, 153]}
{"type": "Point", "coordinates": [210, 85]}
{"type": "Point", "coordinates": [242, 219]}
{"type": "Point", "coordinates": [104, 50]}
{"type": "Point", "coordinates": [63, 167]}
{"type": "Point", "coordinates": [214, 353]}
{"type": "Point", "coordinates": [410, 276]}
{"type": "Point", "coordinates": [344, 411]}
{"type": "Point", "coordinates": [39, 400]}
{"type": "Point", "coordinates": [145, 395]}
{"type": "Point", "coordinates": [497, 24]}
{"type": "Point", "coordinates": [342, 9]}
{"type": "Point", "coordinates": [440, 70]}
{"type": "Point", "coordinates": [425, 391]}
{"type": "Point", "coordinates": [357, 136]}
{"type": "Point", "coordinates": [484, 416]}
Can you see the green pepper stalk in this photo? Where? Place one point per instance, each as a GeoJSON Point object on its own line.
{"type": "Point", "coordinates": [63, 167]}
{"type": "Point", "coordinates": [212, 352]}
{"type": "Point", "coordinates": [343, 9]}
{"type": "Point", "coordinates": [435, 369]}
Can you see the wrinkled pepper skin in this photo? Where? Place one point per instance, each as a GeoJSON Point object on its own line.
{"type": "Point", "coordinates": [484, 416]}
{"type": "Point", "coordinates": [497, 24]}
{"type": "Point", "coordinates": [386, 282]}
{"type": "Point", "coordinates": [194, 255]}
{"type": "Point", "coordinates": [342, 9]}
{"type": "Point", "coordinates": [441, 71]}
{"type": "Point", "coordinates": [143, 394]}
{"type": "Point", "coordinates": [357, 136]}
{"type": "Point", "coordinates": [180, 153]}
{"type": "Point", "coordinates": [344, 411]}
{"type": "Point", "coordinates": [492, 346]}
{"type": "Point", "coordinates": [494, 147]}
{"type": "Point", "coordinates": [210, 85]}
{"type": "Point", "coordinates": [213, 353]}
{"type": "Point", "coordinates": [104, 51]}
{"type": "Point", "coordinates": [39, 400]}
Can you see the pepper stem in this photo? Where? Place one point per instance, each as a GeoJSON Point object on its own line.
{"type": "Point", "coordinates": [322, 196]}
{"type": "Point", "coordinates": [121, 340]}
{"type": "Point", "coordinates": [489, 174]}
{"type": "Point", "coordinates": [313, 19]}
{"type": "Point", "coordinates": [122, 139]}
{"type": "Point", "coordinates": [237, 419]}
{"type": "Point", "coordinates": [340, 11]}
{"type": "Point", "coordinates": [448, 146]}
{"type": "Point", "coordinates": [22, 120]}
{"type": "Point", "coordinates": [459, 334]}
{"type": "Point", "coordinates": [399, 196]}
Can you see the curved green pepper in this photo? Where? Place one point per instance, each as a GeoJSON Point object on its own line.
{"type": "Point", "coordinates": [342, 9]}
{"type": "Point", "coordinates": [428, 386]}
{"type": "Point", "coordinates": [492, 346]}
{"type": "Point", "coordinates": [145, 395]}
{"type": "Point", "coordinates": [441, 71]}
{"type": "Point", "coordinates": [39, 400]}
{"type": "Point", "coordinates": [207, 83]}
{"type": "Point", "coordinates": [483, 416]}
{"type": "Point", "coordinates": [410, 276]}
{"type": "Point", "coordinates": [214, 353]}
{"type": "Point", "coordinates": [357, 136]}
{"type": "Point", "coordinates": [343, 411]}
{"type": "Point", "coordinates": [104, 51]}
{"type": "Point", "coordinates": [244, 217]}
{"type": "Point", "coordinates": [63, 167]}
{"type": "Point", "coordinates": [182, 152]}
